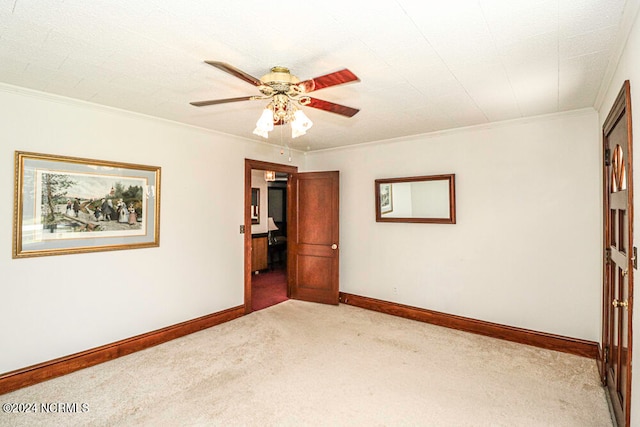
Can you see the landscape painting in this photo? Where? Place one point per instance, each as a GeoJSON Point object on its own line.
{"type": "Point", "coordinates": [71, 203]}
{"type": "Point", "coordinates": [68, 205]}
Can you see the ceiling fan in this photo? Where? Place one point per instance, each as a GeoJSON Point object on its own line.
{"type": "Point", "coordinates": [283, 88]}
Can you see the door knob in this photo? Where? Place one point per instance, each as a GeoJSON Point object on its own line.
{"type": "Point", "coordinates": [617, 303]}
{"type": "Point", "coordinates": [334, 246]}
{"type": "Point", "coordinates": [625, 272]}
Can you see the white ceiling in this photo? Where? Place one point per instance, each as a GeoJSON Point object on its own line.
{"type": "Point", "coordinates": [424, 65]}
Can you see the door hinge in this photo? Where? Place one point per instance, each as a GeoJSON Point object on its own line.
{"type": "Point", "coordinates": [634, 258]}
{"type": "Point", "coordinates": [607, 157]}
{"type": "Point", "coordinates": [607, 256]}
{"type": "Point", "coordinates": [606, 354]}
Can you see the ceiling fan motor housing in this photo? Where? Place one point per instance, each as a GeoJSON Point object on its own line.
{"type": "Point", "coordinates": [279, 80]}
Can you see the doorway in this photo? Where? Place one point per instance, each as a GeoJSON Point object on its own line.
{"type": "Point", "coordinates": [312, 231]}
{"type": "Point", "coordinates": [269, 239]}
{"type": "Point", "coordinates": [266, 272]}
{"type": "Point", "coordinates": [620, 257]}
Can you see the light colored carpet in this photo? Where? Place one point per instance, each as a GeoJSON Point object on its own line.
{"type": "Point", "coordinates": [300, 364]}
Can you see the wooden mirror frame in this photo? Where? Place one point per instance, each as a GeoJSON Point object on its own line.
{"type": "Point", "coordinates": [450, 178]}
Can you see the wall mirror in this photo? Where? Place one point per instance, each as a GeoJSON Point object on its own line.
{"type": "Point", "coordinates": [255, 206]}
{"type": "Point", "coordinates": [429, 199]}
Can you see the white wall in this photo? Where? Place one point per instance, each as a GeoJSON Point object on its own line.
{"type": "Point", "coordinates": [198, 268]}
{"type": "Point", "coordinates": [629, 69]}
{"type": "Point", "coordinates": [525, 250]}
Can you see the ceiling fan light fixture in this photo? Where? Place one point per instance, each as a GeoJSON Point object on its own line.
{"type": "Point", "coordinates": [264, 125]}
{"type": "Point", "coordinates": [300, 120]}
{"type": "Point", "coordinates": [297, 132]}
{"type": "Point", "coordinates": [261, 132]}
{"type": "Point", "coordinates": [281, 110]}
{"type": "Point", "coordinates": [300, 124]}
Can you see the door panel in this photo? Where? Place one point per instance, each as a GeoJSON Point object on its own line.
{"type": "Point", "coordinates": [312, 271]}
{"type": "Point", "coordinates": [618, 263]}
{"type": "Point", "coordinates": [314, 253]}
{"type": "Point", "coordinates": [315, 222]}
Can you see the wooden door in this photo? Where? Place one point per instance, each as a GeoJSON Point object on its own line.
{"type": "Point", "coordinates": [619, 256]}
{"type": "Point", "coordinates": [314, 246]}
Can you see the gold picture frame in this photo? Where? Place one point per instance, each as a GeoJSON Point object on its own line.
{"type": "Point", "coordinates": [67, 205]}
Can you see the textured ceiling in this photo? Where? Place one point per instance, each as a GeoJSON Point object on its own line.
{"type": "Point", "coordinates": [424, 66]}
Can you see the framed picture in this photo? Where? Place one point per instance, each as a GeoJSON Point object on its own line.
{"type": "Point", "coordinates": [66, 205]}
{"type": "Point", "coordinates": [386, 199]}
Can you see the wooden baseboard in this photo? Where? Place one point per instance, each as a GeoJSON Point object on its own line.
{"type": "Point", "coordinates": [524, 336]}
{"type": "Point", "coordinates": [24, 377]}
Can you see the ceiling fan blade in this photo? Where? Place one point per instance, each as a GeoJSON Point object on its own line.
{"type": "Point", "coordinates": [332, 107]}
{"type": "Point", "coordinates": [331, 79]}
{"type": "Point", "coordinates": [221, 101]}
{"type": "Point", "coordinates": [235, 72]}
